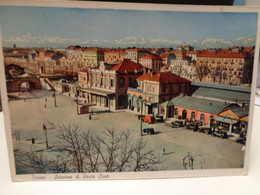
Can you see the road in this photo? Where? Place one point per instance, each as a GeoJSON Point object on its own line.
{"type": "Point", "coordinates": [28, 116]}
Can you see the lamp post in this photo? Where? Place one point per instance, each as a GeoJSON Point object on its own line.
{"type": "Point", "coordinates": [188, 161]}
{"type": "Point", "coordinates": [77, 95]}
{"type": "Point", "coordinates": [54, 97]}
{"type": "Point", "coordinates": [141, 119]}
{"type": "Point", "coordinates": [46, 137]}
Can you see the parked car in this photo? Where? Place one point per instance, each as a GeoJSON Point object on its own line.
{"type": "Point", "coordinates": [220, 133]}
{"type": "Point", "coordinates": [242, 138]}
{"type": "Point", "coordinates": [148, 130]}
{"type": "Point", "coordinates": [205, 129]}
{"type": "Point", "coordinates": [159, 118]}
{"type": "Point", "coordinates": [192, 126]}
{"type": "Point", "coordinates": [177, 123]}
{"type": "Point", "coordinates": [149, 119]}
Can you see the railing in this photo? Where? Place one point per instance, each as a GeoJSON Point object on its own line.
{"type": "Point", "coordinates": [135, 89]}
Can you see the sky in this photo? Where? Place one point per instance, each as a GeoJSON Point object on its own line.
{"type": "Point", "coordinates": [61, 27]}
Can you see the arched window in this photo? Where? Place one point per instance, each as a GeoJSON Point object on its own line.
{"type": "Point", "coordinates": [171, 89]}
{"type": "Point", "coordinates": [130, 84]}
{"type": "Point", "coordinates": [122, 82]}
{"type": "Point", "coordinates": [176, 112]}
{"type": "Point", "coordinates": [184, 114]}
{"type": "Point", "coordinates": [193, 116]}
{"type": "Point", "coordinates": [202, 118]}
{"type": "Point", "coordinates": [121, 101]}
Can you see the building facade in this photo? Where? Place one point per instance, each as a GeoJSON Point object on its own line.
{"type": "Point", "coordinates": [107, 87]}
{"type": "Point", "coordinates": [151, 61]}
{"type": "Point", "coordinates": [155, 88]}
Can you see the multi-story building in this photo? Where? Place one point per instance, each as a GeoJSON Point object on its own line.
{"type": "Point", "coordinates": [91, 57]}
{"type": "Point", "coordinates": [135, 53]}
{"type": "Point", "coordinates": [151, 61]}
{"type": "Point", "coordinates": [114, 55]}
{"type": "Point", "coordinates": [167, 58]}
{"type": "Point", "coordinates": [226, 66]}
{"type": "Point", "coordinates": [155, 88]}
{"type": "Point", "coordinates": [106, 86]}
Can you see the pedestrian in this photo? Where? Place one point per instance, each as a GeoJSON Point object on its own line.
{"type": "Point", "coordinates": [89, 117]}
{"type": "Point", "coordinates": [45, 99]}
{"type": "Point", "coordinates": [45, 105]}
{"type": "Point", "coordinates": [163, 151]}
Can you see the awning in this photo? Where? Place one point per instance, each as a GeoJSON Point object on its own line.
{"type": "Point", "coordinates": [98, 92]}
{"type": "Point", "coordinates": [151, 103]}
{"type": "Point", "coordinates": [226, 120]}
{"type": "Point", "coordinates": [165, 103]}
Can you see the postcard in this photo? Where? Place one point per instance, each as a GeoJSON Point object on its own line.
{"type": "Point", "coordinates": [125, 91]}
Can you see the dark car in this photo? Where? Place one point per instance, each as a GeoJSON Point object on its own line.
{"type": "Point", "coordinates": [205, 129]}
{"type": "Point", "coordinates": [176, 124]}
{"type": "Point", "coordinates": [149, 131]}
{"type": "Point", "coordinates": [220, 133]}
{"type": "Point", "coordinates": [242, 138]}
{"type": "Point", "coordinates": [159, 118]}
{"type": "Point", "coordinates": [192, 126]}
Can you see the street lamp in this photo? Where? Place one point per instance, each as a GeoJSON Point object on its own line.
{"type": "Point", "coordinates": [46, 137]}
{"type": "Point", "coordinates": [188, 161]}
{"type": "Point", "coordinates": [77, 95]}
{"type": "Point", "coordinates": [141, 118]}
{"type": "Point", "coordinates": [54, 97]}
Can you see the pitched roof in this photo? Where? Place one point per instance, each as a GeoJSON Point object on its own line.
{"type": "Point", "coordinates": [210, 106]}
{"type": "Point", "coordinates": [127, 66]}
{"type": "Point", "coordinates": [162, 77]}
{"type": "Point", "coordinates": [165, 55]}
{"type": "Point", "coordinates": [223, 94]}
{"type": "Point", "coordinates": [92, 50]}
{"type": "Point", "coordinates": [223, 53]}
{"type": "Point", "coordinates": [150, 56]}
{"type": "Point", "coordinates": [137, 49]}
{"type": "Point", "coordinates": [240, 112]}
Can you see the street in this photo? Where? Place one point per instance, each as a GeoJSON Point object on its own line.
{"type": "Point", "coordinates": [171, 144]}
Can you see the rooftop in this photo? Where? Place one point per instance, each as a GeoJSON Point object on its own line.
{"type": "Point", "coordinates": [127, 66]}
{"type": "Point", "coordinates": [221, 86]}
{"type": "Point", "coordinates": [223, 53]}
{"type": "Point", "coordinates": [150, 56]}
{"type": "Point", "coordinates": [163, 77]}
{"type": "Point", "coordinates": [210, 106]}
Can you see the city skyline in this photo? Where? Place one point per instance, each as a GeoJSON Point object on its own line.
{"type": "Point", "coordinates": [61, 27]}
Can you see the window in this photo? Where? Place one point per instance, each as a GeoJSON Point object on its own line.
{"type": "Point", "coordinates": [164, 89]}
{"type": "Point", "coordinates": [171, 89]}
{"type": "Point", "coordinates": [193, 116]}
{"type": "Point", "coordinates": [122, 82]}
{"type": "Point", "coordinates": [176, 112]}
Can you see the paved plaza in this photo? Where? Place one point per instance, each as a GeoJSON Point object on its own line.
{"type": "Point", "coordinates": [29, 114]}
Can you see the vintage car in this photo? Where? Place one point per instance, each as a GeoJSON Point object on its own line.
{"type": "Point", "coordinates": [205, 129]}
{"type": "Point", "coordinates": [177, 123]}
{"type": "Point", "coordinates": [148, 130]}
{"type": "Point", "coordinates": [159, 118]}
{"type": "Point", "coordinates": [149, 119]}
{"type": "Point", "coordinates": [242, 138]}
{"type": "Point", "coordinates": [220, 133]}
{"type": "Point", "coordinates": [192, 126]}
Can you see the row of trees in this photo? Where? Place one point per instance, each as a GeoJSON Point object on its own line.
{"type": "Point", "coordinates": [84, 151]}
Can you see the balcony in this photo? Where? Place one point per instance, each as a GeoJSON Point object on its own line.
{"type": "Point", "coordinates": [134, 89]}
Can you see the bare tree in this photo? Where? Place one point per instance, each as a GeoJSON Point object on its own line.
{"type": "Point", "coordinates": [143, 158]}
{"type": "Point", "coordinates": [73, 143]}
{"type": "Point", "coordinates": [202, 70]}
{"type": "Point", "coordinates": [84, 151]}
{"type": "Point", "coordinates": [37, 162]}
